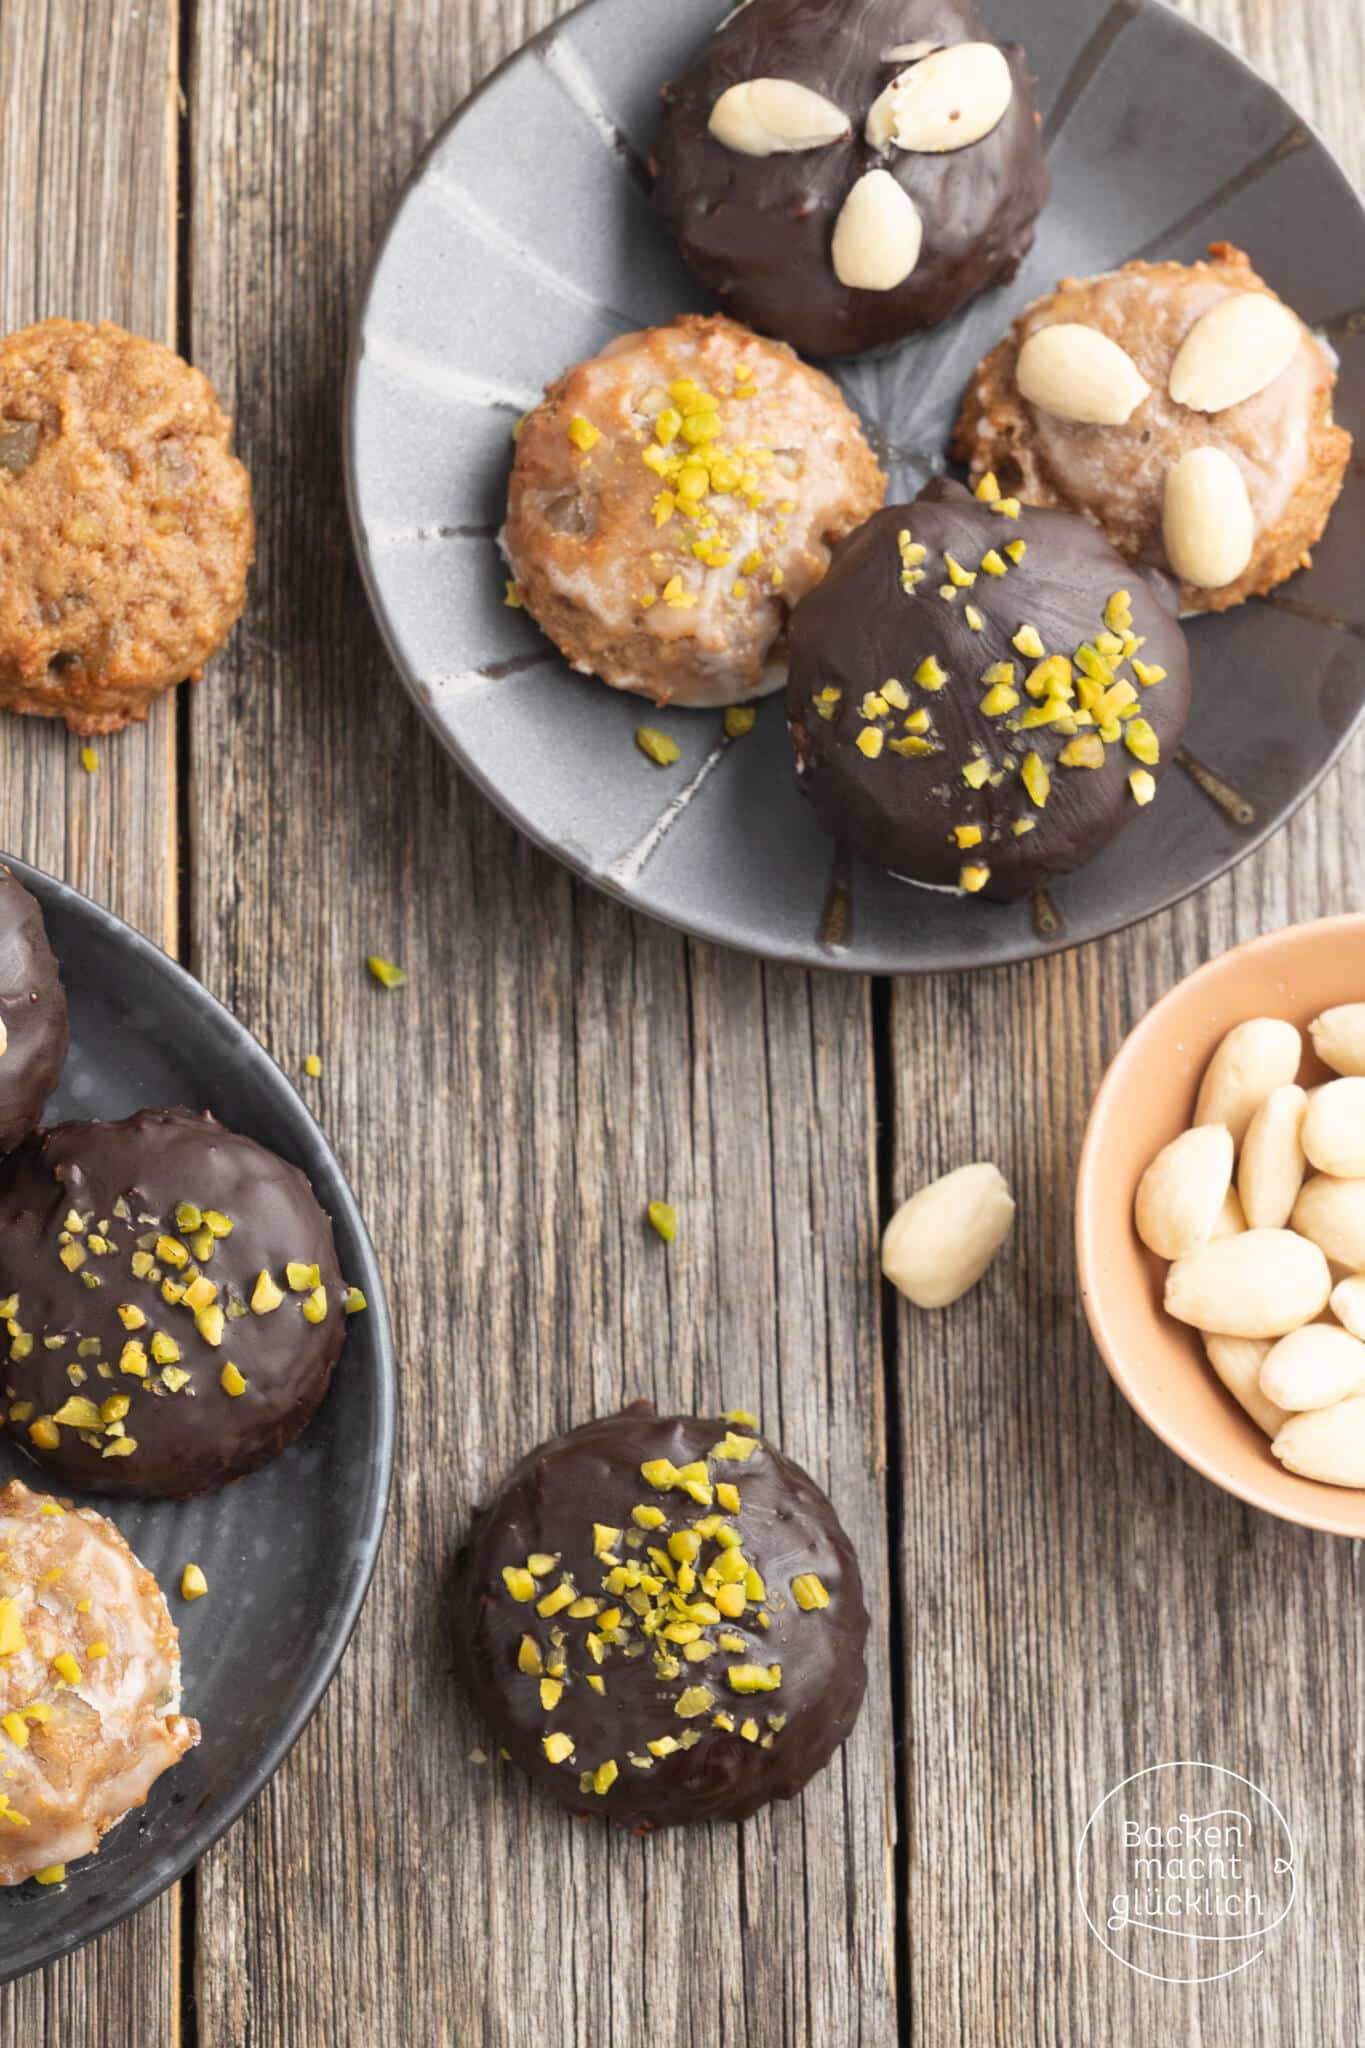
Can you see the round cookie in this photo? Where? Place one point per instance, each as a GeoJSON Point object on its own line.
{"type": "Point", "coordinates": [1182, 407]}
{"type": "Point", "coordinates": [32, 1013]}
{"type": "Point", "coordinates": [662, 1620]}
{"type": "Point", "coordinates": [673, 498]}
{"type": "Point", "coordinates": [125, 524]}
{"type": "Point", "coordinates": [981, 695]}
{"type": "Point", "coordinates": [173, 1303]}
{"type": "Point", "coordinates": [843, 176]}
{"type": "Point", "coordinates": [89, 1684]}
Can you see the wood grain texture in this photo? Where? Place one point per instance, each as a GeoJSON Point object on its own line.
{"type": "Point", "coordinates": [1105, 1608]}
{"type": "Point", "coordinates": [87, 196]}
{"type": "Point", "coordinates": [1071, 1601]}
{"type": "Point", "coordinates": [553, 1065]}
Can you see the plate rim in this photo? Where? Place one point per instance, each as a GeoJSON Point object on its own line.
{"type": "Point", "coordinates": [811, 956]}
{"type": "Point", "coordinates": [202, 1833]}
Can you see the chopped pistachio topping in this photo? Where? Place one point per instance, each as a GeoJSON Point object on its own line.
{"type": "Point", "coordinates": [977, 773]}
{"type": "Point", "coordinates": [994, 564]}
{"type": "Point", "coordinates": [1141, 740]}
{"type": "Point", "coordinates": [1143, 785]}
{"type": "Point", "coordinates": [558, 1747]}
{"type": "Point", "coordinates": [973, 879]}
{"type": "Point", "coordinates": [1085, 751]}
{"type": "Point", "coordinates": [265, 1295]}
{"type": "Point", "coordinates": [870, 741]}
{"type": "Point", "coordinates": [231, 1380]}
{"type": "Point", "coordinates": [961, 578]}
{"type": "Point", "coordinates": [583, 433]}
{"type": "Point", "coordinates": [739, 720]}
{"type": "Point", "coordinates": [931, 674]}
{"type": "Point", "coordinates": [353, 1301]}
{"type": "Point", "coordinates": [1029, 643]}
{"type": "Point", "coordinates": [809, 1592]}
{"type": "Point", "coordinates": [746, 1678]}
{"type": "Point", "coordinates": [1037, 778]}
{"type": "Point", "coordinates": [967, 836]}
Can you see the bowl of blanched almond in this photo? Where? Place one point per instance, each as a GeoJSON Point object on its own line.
{"type": "Point", "coordinates": [1220, 1222]}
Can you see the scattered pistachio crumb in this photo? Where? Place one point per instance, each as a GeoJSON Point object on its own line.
{"type": "Point", "coordinates": [739, 720]}
{"type": "Point", "coordinates": [385, 973]}
{"type": "Point", "coordinates": [312, 1066]}
{"type": "Point", "coordinates": [664, 1217]}
{"type": "Point", "coordinates": [90, 760]}
{"type": "Point", "coordinates": [658, 746]}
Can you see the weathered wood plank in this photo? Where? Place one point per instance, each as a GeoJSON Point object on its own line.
{"type": "Point", "coordinates": [87, 195]}
{"type": "Point", "coordinates": [553, 1064]}
{"type": "Point", "coordinates": [1083, 1604]}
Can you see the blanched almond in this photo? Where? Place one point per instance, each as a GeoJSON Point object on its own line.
{"type": "Point", "coordinates": [1313, 1367]}
{"type": "Point", "coordinates": [1207, 521]}
{"type": "Point", "coordinates": [1332, 1213]}
{"type": "Point", "coordinates": [1076, 373]}
{"type": "Point", "coordinates": [1231, 1221]}
{"type": "Point", "coordinates": [940, 1242]}
{"type": "Point", "coordinates": [1233, 351]}
{"type": "Point", "coordinates": [776, 117]}
{"type": "Point", "coordinates": [1334, 1128]}
{"type": "Point", "coordinates": [1339, 1038]}
{"type": "Point", "coordinates": [1348, 1305]}
{"type": "Point", "coordinates": [1261, 1284]}
{"type": "Point", "coordinates": [1181, 1195]}
{"type": "Point", "coordinates": [945, 102]}
{"type": "Point", "coordinates": [1253, 1061]}
{"type": "Point", "coordinates": [1237, 1362]}
{"type": "Point", "coordinates": [877, 236]}
{"type": "Point", "coordinates": [1271, 1170]}
{"type": "Point", "coordinates": [1326, 1443]}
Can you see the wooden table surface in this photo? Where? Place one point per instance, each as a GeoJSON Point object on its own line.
{"type": "Point", "coordinates": [1057, 1601]}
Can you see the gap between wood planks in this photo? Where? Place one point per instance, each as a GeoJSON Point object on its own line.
{"type": "Point", "coordinates": [182, 339]}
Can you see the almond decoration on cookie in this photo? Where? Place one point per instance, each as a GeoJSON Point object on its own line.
{"type": "Point", "coordinates": [1182, 407]}
{"type": "Point", "coordinates": [770, 116]}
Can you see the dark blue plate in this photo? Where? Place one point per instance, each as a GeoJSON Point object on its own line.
{"type": "Point", "coordinates": [289, 1552]}
{"type": "Point", "coordinates": [525, 240]}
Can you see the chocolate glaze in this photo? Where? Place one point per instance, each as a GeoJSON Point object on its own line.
{"type": "Point", "coordinates": [861, 627]}
{"type": "Point", "coordinates": [786, 1527]}
{"type": "Point", "coordinates": [758, 230]}
{"type": "Point", "coordinates": [32, 1010]}
{"type": "Point", "coordinates": [197, 1438]}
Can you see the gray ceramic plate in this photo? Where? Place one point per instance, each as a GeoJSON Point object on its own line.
{"type": "Point", "coordinates": [526, 240]}
{"type": "Point", "coordinates": [288, 1552]}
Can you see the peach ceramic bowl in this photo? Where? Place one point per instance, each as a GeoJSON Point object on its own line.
{"type": "Point", "coordinates": [1146, 1099]}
